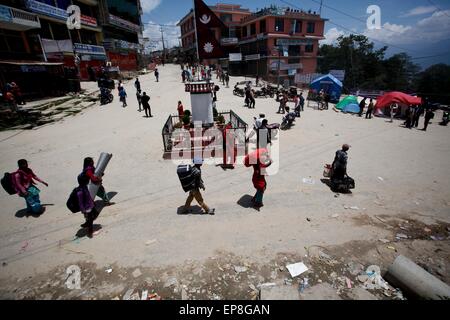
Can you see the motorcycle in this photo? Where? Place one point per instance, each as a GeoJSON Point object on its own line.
{"type": "Point", "coordinates": [105, 96]}
{"type": "Point", "coordinates": [238, 91]}
{"type": "Point", "coordinates": [288, 121]}
{"type": "Point", "coordinates": [445, 119]}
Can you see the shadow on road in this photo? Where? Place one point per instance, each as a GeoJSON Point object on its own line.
{"type": "Point", "coordinates": [192, 210]}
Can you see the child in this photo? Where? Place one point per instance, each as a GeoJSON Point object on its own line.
{"type": "Point", "coordinates": [87, 206]}
{"type": "Point", "coordinates": [123, 96]}
{"type": "Point", "coordinates": [24, 183]}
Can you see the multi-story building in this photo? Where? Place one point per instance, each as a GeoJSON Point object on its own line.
{"type": "Point", "coordinates": [273, 42]}
{"type": "Point", "coordinates": [230, 14]}
{"type": "Point", "coordinates": [122, 31]}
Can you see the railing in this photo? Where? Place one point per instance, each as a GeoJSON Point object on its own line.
{"type": "Point", "coordinates": [229, 116]}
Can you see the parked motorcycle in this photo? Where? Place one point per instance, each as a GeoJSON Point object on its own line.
{"type": "Point", "coordinates": [105, 96]}
{"type": "Point", "coordinates": [238, 91]}
{"type": "Point", "coordinates": [445, 118]}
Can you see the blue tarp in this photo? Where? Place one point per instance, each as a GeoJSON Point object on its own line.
{"type": "Point", "coordinates": [351, 108]}
{"type": "Point", "coordinates": [329, 84]}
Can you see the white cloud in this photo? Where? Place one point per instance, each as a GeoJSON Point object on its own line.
{"type": "Point", "coordinates": [171, 34]}
{"type": "Point", "coordinates": [428, 30]}
{"type": "Point", "coordinates": [331, 36]}
{"type": "Point", "coordinates": [149, 5]}
{"type": "Point", "coordinates": [419, 11]}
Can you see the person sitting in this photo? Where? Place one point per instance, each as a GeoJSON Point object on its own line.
{"type": "Point", "coordinates": [338, 172]}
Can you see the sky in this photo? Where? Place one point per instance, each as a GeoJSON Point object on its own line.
{"type": "Point", "coordinates": [421, 28]}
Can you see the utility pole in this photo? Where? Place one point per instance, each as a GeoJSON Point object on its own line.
{"type": "Point", "coordinates": [320, 10]}
{"type": "Point", "coordinates": [164, 46]}
{"type": "Point", "coordinates": [280, 48]}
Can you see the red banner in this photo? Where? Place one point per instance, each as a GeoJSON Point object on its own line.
{"type": "Point", "coordinates": [205, 19]}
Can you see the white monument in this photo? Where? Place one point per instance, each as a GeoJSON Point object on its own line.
{"type": "Point", "coordinates": [201, 101]}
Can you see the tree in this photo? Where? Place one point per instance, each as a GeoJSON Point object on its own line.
{"type": "Point", "coordinates": [400, 73]}
{"type": "Point", "coordinates": [434, 83]}
{"type": "Point", "coordinates": [356, 55]}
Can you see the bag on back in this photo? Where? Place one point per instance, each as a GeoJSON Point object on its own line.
{"type": "Point", "coordinates": [8, 183]}
{"type": "Point", "coordinates": [186, 177]}
{"type": "Point", "coordinates": [72, 203]}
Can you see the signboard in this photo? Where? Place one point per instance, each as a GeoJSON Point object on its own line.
{"type": "Point", "coordinates": [89, 21]}
{"type": "Point", "coordinates": [46, 9]}
{"type": "Point", "coordinates": [292, 72]}
{"type": "Point", "coordinates": [119, 22]}
{"type": "Point", "coordinates": [57, 13]}
{"type": "Point", "coordinates": [5, 14]}
{"type": "Point", "coordinates": [235, 57]}
{"type": "Point", "coordinates": [253, 57]}
{"type": "Point", "coordinates": [306, 78]}
{"type": "Point", "coordinates": [284, 66]}
{"type": "Point", "coordinates": [33, 68]}
{"type": "Point", "coordinates": [228, 41]}
{"type": "Point", "coordinates": [88, 49]}
{"type": "Point", "coordinates": [293, 42]}
{"type": "Point", "coordinates": [338, 74]}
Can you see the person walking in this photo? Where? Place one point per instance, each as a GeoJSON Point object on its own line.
{"type": "Point", "coordinates": [283, 103]}
{"type": "Point", "coordinates": [302, 101]}
{"type": "Point", "coordinates": [227, 79]}
{"type": "Point", "coordinates": [247, 96]}
{"type": "Point", "coordinates": [89, 171]}
{"type": "Point", "coordinates": [297, 106]}
{"type": "Point", "coordinates": [418, 114]}
{"type": "Point", "coordinates": [252, 99]}
{"type": "Point", "coordinates": [194, 193]}
{"type": "Point", "coordinates": [86, 204]}
{"type": "Point", "coordinates": [428, 116]}
{"type": "Point", "coordinates": [369, 110]}
{"type": "Point", "coordinates": [183, 76]}
{"type": "Point", "coordinates": [408, 115]}
{"type": "Point", "coordinates": [123, 96]}
{"type": "Point", "coordinates": [26, 188]}
{"type": "Point", "coordinates": [139, 99]}
{"type": "Point", "coordinates": [258, 179]}
{"type": "Point", "coordinates": [145, 103]}
{"type": "Point", "coordinates": [362, 106]}
{"type": "Point", "coordinates": [180, 110]}
{"type": "Point", "coordinates": [157, 75]}
{"type": "Point", "coordinates": [137, 84]}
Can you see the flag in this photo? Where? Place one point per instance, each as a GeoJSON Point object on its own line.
{"type": "Point", "coordinates": [205, 19]}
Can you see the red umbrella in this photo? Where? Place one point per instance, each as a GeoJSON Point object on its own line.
{"type": "Point", "coordinates": [397, 97]}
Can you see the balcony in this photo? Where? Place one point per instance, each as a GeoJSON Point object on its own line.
{"type": "Point", "coordinates": [18, 20]}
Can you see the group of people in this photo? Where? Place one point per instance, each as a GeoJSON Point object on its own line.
{"type": "Point", "coordinates": [413, 114]}
{"type": "Point", "coordinates": [13, 95]}
{"type": "Point", "coordinates": [250, 100]}
{"type": "Point", "coordinates": [142, 99]}
{"type": "Point", "coordinates": [24, 182]}
{"type": "Point", "coordinates": [299, 103]}
{"type": "Point", "coordinates": [370, 108]}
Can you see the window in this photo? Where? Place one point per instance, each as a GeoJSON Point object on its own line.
{"type": "Point", "coordinates": [232, 32]}
{"type": "Point", "coordinates": [279, 25]}
{"type": "Point", "coordinates": [244, 32]}
{"type": "Point", "coordinates": [309, 48]}
{"type": "Point", "coordinates": [253, 28]}
{"type": "Point", "coordinates": [262, 26]}
{"type": "Point", "coordinates": [226, 17]}
{"type": "Point", "coordinates": [298, 26]}
{"type": "Point", "coordinates": [311, 26]}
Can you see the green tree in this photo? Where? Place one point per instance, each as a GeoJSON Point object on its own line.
{"type": "Point", "coordinates": [434, 82]}
{"type": "Point", "coordinates": [400, 73]}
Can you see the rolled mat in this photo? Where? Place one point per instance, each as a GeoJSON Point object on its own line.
{"type": "Point", "coordinates": [99, 170]}
{"type": "Point", "coordinates": [411, 278]}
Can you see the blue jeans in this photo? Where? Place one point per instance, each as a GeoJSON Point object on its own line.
{"type": "Point", "coordinates": [259, 196]}
{"type": "Point", "coordinates": [32, 200]}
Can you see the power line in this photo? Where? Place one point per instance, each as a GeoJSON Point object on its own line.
{"type": "Point", "coordinates": [434, 5]}
{"type": "Point", "coordinates": [433, 56]}
{"type": "Point", "coordinates": [357, 33]}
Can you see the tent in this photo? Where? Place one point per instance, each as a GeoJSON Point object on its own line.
{"type": "Point", "coordinates": [329, 84]}
{"type": "Point", "coordinates": [346, 101]}
{"type": "Point", "coordinates": [397, 97]}
{"type": "Point", "coordinates": [351, 108]}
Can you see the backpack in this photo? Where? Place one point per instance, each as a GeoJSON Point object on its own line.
{"type": "Point", "coordinates": [186, 176]}
{"type": "Point", "coordinates": [72, 203]}
{"type": "Point", "coordinates": [8, 183]}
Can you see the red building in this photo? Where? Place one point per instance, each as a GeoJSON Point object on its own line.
{"type": "Point", "coordinates": [273, 42]}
